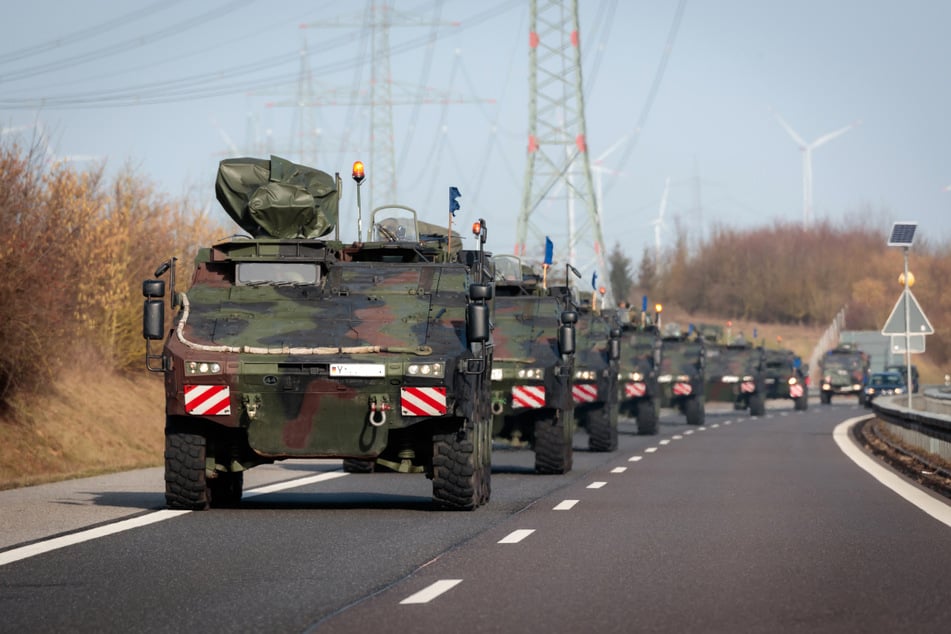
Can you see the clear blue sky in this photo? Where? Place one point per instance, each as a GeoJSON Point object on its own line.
{"type": "Point", "coordinates": [210, 69]}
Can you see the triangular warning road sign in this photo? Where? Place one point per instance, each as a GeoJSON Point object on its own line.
{"type": "Point", "coordinates": [918, 324]}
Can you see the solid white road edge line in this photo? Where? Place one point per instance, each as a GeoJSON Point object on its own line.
{"type": "Point", "coordinates": [48, 545]}
{"type": "Point", "coordinates": [428, 594]}
{"type": "Point", "coordinates": [932, 506]}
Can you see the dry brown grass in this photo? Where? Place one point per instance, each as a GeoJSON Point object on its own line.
{"type": "Point", "coordinates": [90, 422]}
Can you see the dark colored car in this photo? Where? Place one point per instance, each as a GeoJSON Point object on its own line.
{"type": "Point", "coordinates": [883, 384]}
{"type": "Point", "coordinates": [903, 371]}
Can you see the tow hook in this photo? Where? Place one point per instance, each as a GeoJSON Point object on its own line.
{"type": "Point", "coordinates": [378, 410]}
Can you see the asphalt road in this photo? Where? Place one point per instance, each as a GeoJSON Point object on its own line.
{"type": "Point", "coordinates": [743, 525]}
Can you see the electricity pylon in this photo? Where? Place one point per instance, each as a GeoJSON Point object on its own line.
{"type": "Point", "coordinates": [558, 164]}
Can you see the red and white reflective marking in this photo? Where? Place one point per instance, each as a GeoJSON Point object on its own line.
{"type": "Point", "coordinates": [635, 390]}
{"type": "Point", "coordinates": [210, 400]}
{"type": "Point", "coordinates": [423, 401]}
{"type": "Point", "coordinates": [682, 389]}
{"type": "Point", "coordinates": [795, 390]}
{"type": "Point", "coordinates": [748, 387]}
{"type": "Point", "coordinates": [585, 393]}
{"type": "Point", "coordinates": [531, 396]}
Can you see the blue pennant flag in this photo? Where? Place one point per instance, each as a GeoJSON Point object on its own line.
{"type": "Point", "coordinates": [453, 203]}
{"type": "Point", "coordinates": [549, 250]}
{"type": "Point", "coordinates": [594, 280]}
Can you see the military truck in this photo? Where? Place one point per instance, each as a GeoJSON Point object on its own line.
{"type": "Point", "coordinates": [682, 371]}
{"type": "Point", "coordinates": [640, 364]}
{"type": "Point", "coordinates": [533, 365]}
{"type": "Point", "coordinates": [291, 344]}
{"type": "Point", "coordinates": [786, 377]}
{"type": "Point", "coordinates": [736, 373]}
{"type": "Point", "coordinates": [845, 371]}
{"type": "Point", "coordinates": [595, 384]}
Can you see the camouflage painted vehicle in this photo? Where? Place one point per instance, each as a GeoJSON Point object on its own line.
{"type": "Point", "coordinates": [682, 372]}
{"type": "Point", "coordinates": [641, 359]}
{"type": "Point", "coordinates": [533, 365]}
{"type": "Point", "coordinates": [595, 384]}
{"type": "Point", "coordinates": [736, 373]}
{"type": "Point", "coordinates": [845, 371]}
{"type": "Point", "coordinates": [786, 378]}
{"type": "Point", "coordinates": [291, 344]}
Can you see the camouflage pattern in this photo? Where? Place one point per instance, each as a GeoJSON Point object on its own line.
{"type": "Point", "coordinates": [305, 348]}
{"type": "Point", "coordinates": [682, 373]}
{"type": "Point", "coordinates": [639, 369]}
{"type": "Point", "coordinates": [845, 371]}
{"type": "Point", "coordinates": [786, 378]}
{"type": "Point", "coordinates": [595, 384]}
{"type": "Point", "coordinates": [736, 373]}
{"type": "Point", "coordinates": [531, 376]}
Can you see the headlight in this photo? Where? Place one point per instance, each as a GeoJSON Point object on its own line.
{"type": "Point", "coordinates": [496, 374]}
{"type": "Point", "coordinates": [585, 375]}
{"type": "Point", "coordinates": [682, 378]}
{"type": "Point", "coordinates": [635, 376]}
{"type": "Point", "coordinates": [664, 378]}
{"type": "Point", "coordinates": [193, 368]}
{"type": "Point", "coordinates": [747, 378]}
{"type": "Point", "coordinates": [792, 380]}
{"type": "Point", "coordinates": [899, 390]}
{"type": "Point", "coordinates": [530, 373]}
{"type": "Point", "coordinates": [425, 369]}
{"type": "Point", "coordinates": [870, 390]}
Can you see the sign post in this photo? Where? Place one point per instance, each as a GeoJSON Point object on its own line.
{"type": "Point", "coordinates": [903, 235]}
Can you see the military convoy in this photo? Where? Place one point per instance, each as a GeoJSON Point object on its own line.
{"type": "Point", "coordinates": [533, 364]}
{"type": "Point", "coordinates": [682, 372]}
{"type": "Point", "coordinates": [640, 392]}
{"type": "Point", "coordinates": [845, 371]}
{"type": "Point", "coordinates": [291, 344]}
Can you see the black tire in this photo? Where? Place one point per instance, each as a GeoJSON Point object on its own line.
{"type": "Point", "coordinates": [647, 417]}
{"type": "Point", "coordinates": [554, 453]}
{"type": "Point", "coordinates": [185, 484]}
{"type": "Point", "coordinates": [693, 408]}
{"type": "Point", "coordinates": [354, 465]}
{"type": "Point", "coordinates": [825, 398]}
{"type": "Point", "coordinates": [802, 403]}
{"type": "Point", "coordinates": [602, 425]}
{"type": "Point", "coordinates": [462, 466]}
{"type": "Point", "coordinates": [757, 404]}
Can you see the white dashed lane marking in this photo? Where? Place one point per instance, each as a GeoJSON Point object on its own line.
{"type": "Point", "coordinates": [565, 505]}
{"type": "Point", "coordinates": [650, 450]}
{"type": "Point", "coordinates": [635, 458]}
{"type": "Point", "coordinates": [618, 469]}
{"type": "Point", "coordinates": [516, 536]}
{"type": "Point", "coordinates": [428, 594]}
{"type": "Point", "coordinates": [596, 485]}
{"type": "Point", "coordinates": [677, 437]}
{"type": "Point", "coordinates": [715, 425]}
{"type": "Point", "coordinates": [688, 432]}
{"type": "Point", "coordinates": [664, 442]}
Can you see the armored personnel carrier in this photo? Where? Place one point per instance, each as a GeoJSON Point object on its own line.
{"type": "Point", "coordinates": [595, 384]}
{"type": "Point", "coordinates": [736, 373]}
{"type": "Point", "coordinates": [533, 365]}
{"type": "Point", "coordinates": [786, 378]}
{"type": "Point", "coordinates": [682, 372]}
{"type": "Point", "coordinates": [289, 343]}
{"type": "Point", "coordinates": [845, 371]}
{"type": "Point", "coordinates": [641, 359]}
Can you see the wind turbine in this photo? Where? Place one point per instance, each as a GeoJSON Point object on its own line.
{"type": "Point", "coordinates": [806, 149]}
{"type": "Point", "coordinates": [658, 222]}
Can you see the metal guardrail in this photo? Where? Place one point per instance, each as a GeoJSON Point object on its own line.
{"type": "Point", "coordinates": [926, 425]}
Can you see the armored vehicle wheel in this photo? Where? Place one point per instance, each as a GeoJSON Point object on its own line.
{"type": "Point", "coordinates": [553, 449]}
{"type": "Point", "coordinates": [694, 410]}
{"type": "Point", "coordinates": [185, 484]}
{"type": "Point", "coordinates": [757, 404]}
{"type": "Point", "coordinates": [647, 416]}
{"type": "Point", "coordinates": [802, 403]}
{"type": "Point", "coordinates": [863, 401]}
{"type": "Point", "coordinates": [825, 398]}
{"type": "Point", "coordinates": [602, 428]}
{"type": "Point", "coordinates": [461, 466]}
{"type": "Point", "coordinates": [353, 465]}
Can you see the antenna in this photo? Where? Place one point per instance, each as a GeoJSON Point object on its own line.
{"type": "Point", "coordinates": [806, 149]}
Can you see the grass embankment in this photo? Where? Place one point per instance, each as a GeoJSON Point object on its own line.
{"type": "Point", "coordinates": [88, 423]}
